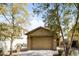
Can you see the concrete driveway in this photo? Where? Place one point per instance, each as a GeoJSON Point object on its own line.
{"type": "Point", "coordinates": [38, 53]}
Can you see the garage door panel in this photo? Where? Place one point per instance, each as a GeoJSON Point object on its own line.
{"type": "Point", "coordinates": [41, 43]}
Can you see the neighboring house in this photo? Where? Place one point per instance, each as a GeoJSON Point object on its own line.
{"type": "Point", "coordinates": [20, 40]}
{"type": "Point", "coordinates": [41, 39]}
{"type": "Point", "coordinates": [75, 40]}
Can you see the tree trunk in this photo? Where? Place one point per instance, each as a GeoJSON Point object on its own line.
{"type": "Point", "coordinates": [13, 31]}
{"type": "Point", "coordinates": [11, 48]}
{"type": "Point", "coordinates": [61, 29]}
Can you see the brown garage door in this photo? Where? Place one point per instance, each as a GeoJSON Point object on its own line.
{"type": "Point", "coordinates": [41, 42]}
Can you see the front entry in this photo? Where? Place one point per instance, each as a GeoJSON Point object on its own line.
{"type": "Point", "coordinates": [74, 43]}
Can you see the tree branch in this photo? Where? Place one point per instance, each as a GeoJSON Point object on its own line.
{"type": "Point", "coordinates": [5, 17]}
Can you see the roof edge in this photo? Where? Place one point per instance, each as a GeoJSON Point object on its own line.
{"type": "Point", "coordinates": [37, 29]}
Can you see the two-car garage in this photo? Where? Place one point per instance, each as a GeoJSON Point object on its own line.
{"type": "Point", "coordinates": [42, 43]}
{"type": "Point", "coordinates": [41, 39]}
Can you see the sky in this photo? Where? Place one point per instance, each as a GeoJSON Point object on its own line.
{"type": "Point", "coordinates": [34, 20]}
{"type": "Point", "coordinates": [37, 21]}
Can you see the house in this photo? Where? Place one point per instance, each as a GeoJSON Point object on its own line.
{"type": "Point", "coordinates": [41, 39]}
{"type": "Point", "coordinates": [75, 40]}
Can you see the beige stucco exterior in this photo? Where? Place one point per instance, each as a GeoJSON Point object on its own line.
{"type": "Point", "coordinates": [41, 38]}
